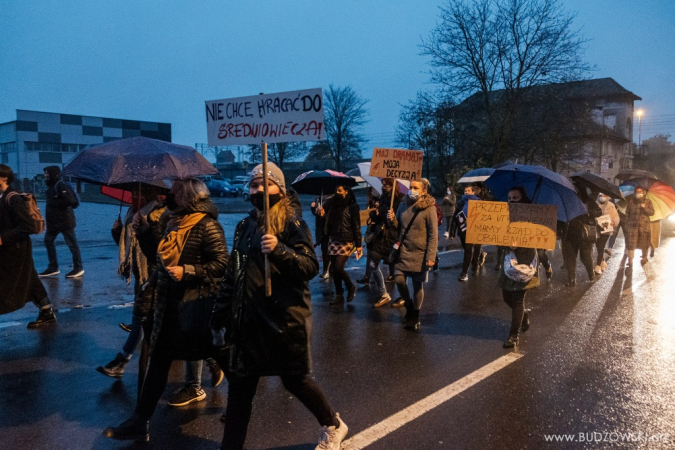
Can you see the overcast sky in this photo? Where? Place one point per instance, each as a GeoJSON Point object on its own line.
{"type": "Point", "coordinates": [160, 60]}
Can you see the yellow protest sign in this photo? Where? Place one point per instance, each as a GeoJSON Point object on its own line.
{"type": "Point", "coordinates": [397, 163]}
{"type": "Point", "coordinates": [507, 224]}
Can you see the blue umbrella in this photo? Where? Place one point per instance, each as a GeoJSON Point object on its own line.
{"type": "Point", "coordinates": [475, 175]}
{"type": "Point", "coordinates": [543, 186]}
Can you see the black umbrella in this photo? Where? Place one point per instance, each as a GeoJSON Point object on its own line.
{"type": "Point", "coordinates": [628, 174]}
{"type": "Point", "coordinates": [597, 183]}
{"type": "Point", "coordinates": [321, 182]}
{"type": "Point", "coordinates": [137, 159]}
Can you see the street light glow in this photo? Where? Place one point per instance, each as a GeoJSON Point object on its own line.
{"type": "Point", "coordinates": [639, 112]}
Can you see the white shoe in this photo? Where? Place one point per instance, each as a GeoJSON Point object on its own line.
{"type": "Point", "coordinates": [598, 270]}
{"type": "Point", "coordinates": [447, 234]}
{"type": "Point", "coordinates": [331, 437]}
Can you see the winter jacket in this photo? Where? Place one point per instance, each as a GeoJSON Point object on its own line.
{"type": "Point", "coordinates": [320, 222]}
{"type": "Point", "coordinates": [574, 228]}
{"type": "Point", "coordinates": [608, 209]}
{"type": "Point", "coordinates": [17, 270]}
{"type": "Point", "coordinates": [268, 335]}
{"type": "Point", "coordinates": [421, 243]}
{"type": "Point", "coordinates": [462, 206]}
{"type": "Point", "coordinates": [448, 205]}
{"type": "Point", "coordinates": [60, 199]}
{"type": "Point", "coordinates": [387, 233]}
{"type": "Point", "coordinates": [343, 222]}
{"type": "Point", "coordinates": [205, 259]}
{"type": "Point", "coordinates": [637, 229]}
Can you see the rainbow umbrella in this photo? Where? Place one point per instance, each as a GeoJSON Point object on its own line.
{"type": "Point", "coordinates": [661, 194]}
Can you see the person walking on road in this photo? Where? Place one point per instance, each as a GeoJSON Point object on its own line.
{"type": "Point", "coordinates": [578, 238]}
{"type": "Point", "coordinates": [637, 229]}
{"type": "Point", "coordinates": [520, 274]}
{"type": "Point", "coordinates": [61, 200]}
{"type": "Point", "coordinates": [191, 261]}
{"type": "Point", "coordinates": [19, 283]}
{"type": "Point", "coordinates": [137, 237]}
{"type": "Point", "coordinates": [320, 235]}
{"type": "Point", "coordinates": [384, 237]}
{"type": "Point", "coordinates": [270, 336]}
{"type": "Point", "coordinates": [417, 223]}
{"type": "Point", "coordinates": [343, 227]}
{"type": "Point", "coordinates": [608, 209]}
{"type": "Point", "coordinates": [448, 209]}
{"type": "Point", "coordinates": [474, 256]}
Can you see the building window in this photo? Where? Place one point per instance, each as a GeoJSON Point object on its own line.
{"type": "Point", "coordinates": [112, 123]}
{"type": "Point", "coordinates": [50, 157]}
{"type": "Point", "coordinates": [92, 131]}
{"type": "Point", "coordinates": [8, 147]}
{"type": "Point", "coordinates": [69, 119]}
{"type": "Point", "coordinates": [50, 137]}
{"type": "Point", "coordinates": [4, 158]}
{"type": "Point", "coordinates": [47, 147]}
{"type": "Point", "coordinates": [25, 125]}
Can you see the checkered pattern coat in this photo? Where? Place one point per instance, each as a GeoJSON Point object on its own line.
{"type": "Point", "coordinates": [637, 229]}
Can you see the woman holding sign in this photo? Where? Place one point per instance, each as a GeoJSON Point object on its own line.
{"type": "Point", "coordinates": [415, 251]}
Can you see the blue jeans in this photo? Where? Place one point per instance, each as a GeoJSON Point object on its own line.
{"type": "Point", "coordinates": [193, 373]}
{"type": "Point", "coordinates": [375, 272]}
{"type": "Point", "coordinates": [135, 335]}
{"type": "Point", "coordinates": [71, 242]}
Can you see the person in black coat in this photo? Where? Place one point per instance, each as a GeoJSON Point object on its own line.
{"type": "Point", "coordinates": [270, 336]}
{"type": "Point", "coordinates": [19, 282]}
{"type": "Point", "coordinates": [60, 218]}
{"type": "Point", "coordinates": [343, 227]}
{"type": "Point", "coordinates": [573, 242]}
{"type": "Point", "coordinates": [321, 238]}
{"type": "Point", "coordinates": [191, 261]}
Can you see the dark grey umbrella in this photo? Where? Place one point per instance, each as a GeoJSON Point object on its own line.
{"type": "Point", "coordinates": [629, 174]}
{"type": "Point", "coordinates": [596, 183]}
{"type": "Point", "coordinates": [137, 159]}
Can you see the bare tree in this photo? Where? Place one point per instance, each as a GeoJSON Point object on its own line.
{"type": "Point", "coordinates": [508, 46]}
{"type": "Point", "coordinates": [344, 116]}
{"type": "Point", "coordinates": [286, 151]}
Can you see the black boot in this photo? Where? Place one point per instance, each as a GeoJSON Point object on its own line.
{"type": "Point", "coordinates": [134, 429]}
{"type": "Point", "coordinates": [114, 368]}
{"type": "Point", "coordinates": [412, 322]}
{"type": "Point", "coordinates": [526, 321]}
{"type": "Point", "coordinates": [45, 317]}
{"type": "Point", "coordinates": [511, 342]}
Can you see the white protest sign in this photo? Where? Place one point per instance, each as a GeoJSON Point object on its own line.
{"type": "Point", "coordinates": [397, 163]}
{"type": "Point", "coordinates": [282, 117]}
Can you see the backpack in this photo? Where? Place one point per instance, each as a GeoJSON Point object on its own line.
{"type": "Point", "coordinates": [75, 195]}
{"type": "Point", "coordinates": [37, 223]}
{"type": "Point", "coordinates": [439, 214]}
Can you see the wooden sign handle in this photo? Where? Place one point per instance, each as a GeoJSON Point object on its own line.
{"type": "Point", "coordinates": [268, 272]}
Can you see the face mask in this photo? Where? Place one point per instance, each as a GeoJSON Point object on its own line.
{"type": "Point", "coordinates": [171, 201]}
{"type": "Point", "coordinates": [602, 199]}
{"type": "Point", "coordinates": [258, 200]}
{"type": "Point", "coordinates": [639, 196]}
{"type": "Point", "coordinates": [414, 195]}
{"type": "Point", "coordinates": [449, 192]}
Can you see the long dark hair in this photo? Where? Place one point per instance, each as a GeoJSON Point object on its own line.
{"type": "Point", "coordinates": [524, 198]}
{"type": "Point", "coordinates": [349, 198]}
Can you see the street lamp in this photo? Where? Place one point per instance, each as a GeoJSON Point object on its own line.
{"type": "Point", "coordinates": [639, 113]}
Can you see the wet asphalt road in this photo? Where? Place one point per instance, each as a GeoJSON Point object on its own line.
{"type": "Point", "coordinates": [598, 360]}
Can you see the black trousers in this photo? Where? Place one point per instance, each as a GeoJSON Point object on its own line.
{"type": "Point", "coordinates": [516, 301]}
{"type": "Point", "coordinates": [471, 254]}
{"type": "Point", "coordinates": [240, 403]}
{"type": "Point", "coordinates": [600, 246]}
{"type": "Point", "coordinates": [570, 249]}
{"type": "Point", "coordinates": [337, 269]}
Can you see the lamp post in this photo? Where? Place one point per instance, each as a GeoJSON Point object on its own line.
{"type": "Point", "coordinates": [639, 113]}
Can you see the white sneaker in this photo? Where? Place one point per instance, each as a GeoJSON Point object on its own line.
{"type": "Point", "coordinates": [447, 234]}
{"type": "Point", "coordinates": [598, 270]}
{"type": "Point", "coordinates": [331, 437]}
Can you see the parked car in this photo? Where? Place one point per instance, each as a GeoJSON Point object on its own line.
{"type": "Point", "coordinates": [239, 184]}
{"type": "Point", "coordinates": [244, 194]}
{"type": "Point", "coordinates": [219, 188]}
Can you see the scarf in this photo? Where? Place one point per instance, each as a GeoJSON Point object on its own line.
{"type": "Point", "coordinates": [130, 253]}
{"type": "Point", "coordinates": [178, 230]}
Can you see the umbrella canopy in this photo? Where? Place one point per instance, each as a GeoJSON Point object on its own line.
{"type": "Point", "coordinates": [476, 175]}
{"type": "Point", "coordinates": [596, 183]}
{"type": "Point", "coordinates": [321, 182]}
{"type": "Point", "coordinates": [543, 186]}
{"type": "Point", "coordinates": [627, 174]}
{"type": "Point", "coordinates": [376, 183]}
{"type": "Point", "coordinates": [137, 159]}
{"type": "Point", "coordinates": [661, 195]}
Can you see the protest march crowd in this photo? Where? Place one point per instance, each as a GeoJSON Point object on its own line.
{"type": "Point", "coordinates": [196, 301]}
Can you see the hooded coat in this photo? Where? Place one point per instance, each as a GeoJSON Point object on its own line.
{"type": "Point", "coordinates": [60, 199]}
{"type": "Point", "coordinates": [387, 233]}
{"type": "Point", "coordinates": [268, 336]}
{"type": "Point", "coordinates": [205, 258]}
{"type": "Point", "coordinates": [19, 282]}
{"type": "Point", "coordinates": [421, 243]}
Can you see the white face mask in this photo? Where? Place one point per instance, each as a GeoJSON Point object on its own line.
{"type": "Point", "coordinates": [602, 199]}
{"type": "Point", "coordinates": [413, 194]}
{"type": "Point", "coordinates": [639, 196]}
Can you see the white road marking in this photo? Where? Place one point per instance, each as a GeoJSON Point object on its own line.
{"type": "Point", "coordinates": [445, 252]}
{"type": "Point", "coordinates": [9, 324]}
{"type": "Point", "coordinates": [412, 412]}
